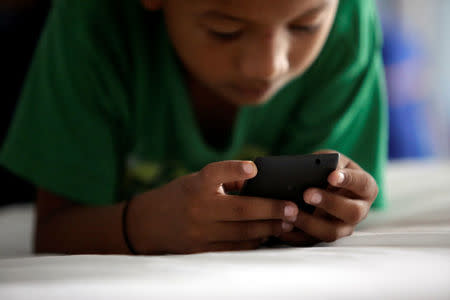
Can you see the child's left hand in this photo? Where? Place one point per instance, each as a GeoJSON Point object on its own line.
{"type": "Point", "coordinates": [338, 209]}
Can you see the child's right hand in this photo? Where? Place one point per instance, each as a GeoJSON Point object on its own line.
{"type": "Point", "coordinates": [194, 214]}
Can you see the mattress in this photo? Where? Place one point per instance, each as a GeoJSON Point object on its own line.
{"type": "Point", "coordinates": [400, 253]}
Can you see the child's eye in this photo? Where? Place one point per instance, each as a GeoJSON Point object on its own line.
{"type": "Point", "coordinates": [225, 36]}
{"type": "Point", "coordinates": [305, 28]}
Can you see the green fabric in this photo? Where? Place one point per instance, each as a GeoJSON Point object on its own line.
{"type": "Point", "coordinates": [105, 112]}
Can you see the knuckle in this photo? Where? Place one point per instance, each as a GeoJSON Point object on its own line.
{"type": "Point", "coordinates": [366, 185]}
{"type": "Point", "coordinates": [344, 231]}
{"type": "Point", "coordinates": [332, 236]}
{"type": "Point", "coordinates": [355, 215]}
{"type": "Point", "coordinates": [376, 189]}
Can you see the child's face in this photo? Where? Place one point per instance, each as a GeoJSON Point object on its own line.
{"type": "Point", "coordinates": [246, 50]}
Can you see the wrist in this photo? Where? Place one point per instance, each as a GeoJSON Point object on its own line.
{"type": "Point", "coordinates": [136, 228]}
{"type": "Point", "coordinates": [126, 228]}
{"type": "Point", "coordinates": [139, 225]}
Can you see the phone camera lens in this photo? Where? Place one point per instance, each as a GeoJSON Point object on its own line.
{"type": "Point", "coordinates": [317, 161]}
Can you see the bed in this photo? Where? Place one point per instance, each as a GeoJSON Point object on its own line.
{"type": "Point", "coordinates": [400, 253]}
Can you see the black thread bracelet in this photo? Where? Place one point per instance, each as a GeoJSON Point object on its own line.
{"type": "Point", "coordinates": [124, 228]}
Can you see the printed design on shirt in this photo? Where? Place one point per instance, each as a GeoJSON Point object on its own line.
{"type": "Point", "coordinates": [142, 175]}
{"type": "Point", "coordinates": [143, 171]}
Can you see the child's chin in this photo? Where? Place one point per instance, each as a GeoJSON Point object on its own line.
{"type": "Point", "coordinates": [249, 100]}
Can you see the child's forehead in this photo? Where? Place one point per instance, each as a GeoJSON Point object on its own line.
{"type": "Point", "coordinates": [257, 10]}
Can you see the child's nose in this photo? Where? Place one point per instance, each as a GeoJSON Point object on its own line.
{"type": "Point", "coordinates": [266, 58]}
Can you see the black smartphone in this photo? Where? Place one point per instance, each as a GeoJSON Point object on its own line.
{"type": "Point", "coordinates": [288, 177]}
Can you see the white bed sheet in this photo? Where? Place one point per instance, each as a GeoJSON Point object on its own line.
{"type": "Point", "coordinates": [400, 253]}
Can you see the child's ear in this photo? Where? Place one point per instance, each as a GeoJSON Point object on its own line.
{"type": "Point", "coordinates": [152, 4]}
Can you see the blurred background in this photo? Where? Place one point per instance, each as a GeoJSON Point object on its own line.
{"type": "Point", "coordinates": [417, 59]}
{"type": "Point", "coordinates": [416, 54]}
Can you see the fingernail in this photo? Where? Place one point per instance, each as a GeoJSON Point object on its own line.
{"type": "Point", "coordinates": [290, 211]}
{"type": "Point", "coordinates": [248, 168]}
{"type": "Point", "coordinates": [315, 199]}
{"type": "Point", "coordinates": [287, 226]}
{"type": "Point", "coordinates": [341, 178]}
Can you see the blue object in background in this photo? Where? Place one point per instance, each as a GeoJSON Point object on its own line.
{"type": "Point", "coordinates": [409, 133]}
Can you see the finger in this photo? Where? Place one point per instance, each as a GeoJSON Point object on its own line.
{"type": "Point", "coordinates": [298, 238]}
{"type": "Point", "coordinates": [234, 246]}
{"type": "Point", "coordinates": [322, 229]}
{"type": "Point", "coordinates": [243, 208]}
{"type": "Point", "coordinates": [348, 210]}
{"type": "Point", "coordinates": [215, 174]}
{"type": "Point", "coordinates": [357, 181]}
{"type": "Point", "coordinates": [245, 231]}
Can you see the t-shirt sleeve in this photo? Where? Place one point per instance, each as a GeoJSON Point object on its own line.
{"type": "Point", "coordinates": [344, 103]}
{"type": "Point", "coordinates": [66, 133]}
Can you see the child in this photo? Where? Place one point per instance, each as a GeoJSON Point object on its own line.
{"type": "Point", "coordinates": [164, 102]}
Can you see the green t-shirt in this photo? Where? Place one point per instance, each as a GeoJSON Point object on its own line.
{"type": "Point", "coordinates": [105, 112]}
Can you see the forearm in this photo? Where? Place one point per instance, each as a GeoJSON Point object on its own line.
{"type": "Point", "coordinates": [82, 230]}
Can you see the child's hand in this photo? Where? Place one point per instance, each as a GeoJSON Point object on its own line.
{"type": "Point", "coordinates": [194, 214]}
{"type": "Point", "coordinates": [338, 209]}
